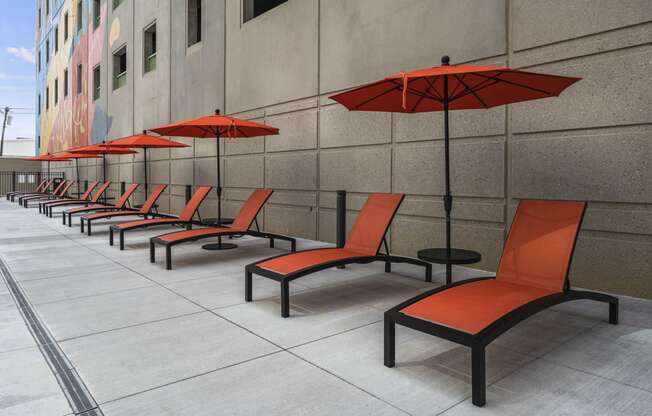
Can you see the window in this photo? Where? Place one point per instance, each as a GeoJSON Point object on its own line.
{"type": "Point", "coordinates": [56, 91]}
{"type": "Point", "coordinates": [65, 27]}
{"type": "Point", "coordinates": [120, 68]}
{"type": "Point", "coordinates": [38, 60]}
{"type": "Point", "coordinates": [65, 82]}
{"type": "Point", "coordinates": [79, 79]}
{"type": "Point", "coordinates": [149, 44]}
{"type": "Point", "coordinates": [38, 102]}
{"type": "Point", "coordinates": [254, 8]}
{"type": "Point", "coordinates": [47, 7]}
{"type": "Point", "coordinates": [47, 51]}
{"type": "Point", "coordinates": [56, 39]}
{"type": "Point", "coordinates": [39, 18]}
{"type": "Point", "coordinates": [80, 11]}
{"type": "Point", "coordinates": [194, 21]}
{"type": "Point", "coordinates": [116, 3]}
{"type": "Point", "coordinates": [97, 83]}
{"type": "Point", "coordinates": [47, 98]}
{"type": "Point", "coordinates": [96, 14]}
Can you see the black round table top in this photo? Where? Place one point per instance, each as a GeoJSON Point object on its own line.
{"type": "Point", "coordinates": [457, 256]}
{"type": "Point", "coordinates": [215, 222]}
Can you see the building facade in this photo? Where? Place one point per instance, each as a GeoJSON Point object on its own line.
{"type": "Point", "coordinates": [132, 65]}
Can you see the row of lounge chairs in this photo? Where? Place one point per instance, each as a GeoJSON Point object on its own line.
{"type": "Point", "coordinates": [533, 273]}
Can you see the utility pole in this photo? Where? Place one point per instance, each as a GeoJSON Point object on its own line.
{"type": "Point", "coordinates": [4, 126]}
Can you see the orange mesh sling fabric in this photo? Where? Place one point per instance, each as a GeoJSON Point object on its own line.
{"type": "Point", "coordinates": [58, 191]}
{"type": "Point", "coordinates": [152, 198]}
{"type": "Point", "coordinates": [41, 186]}
{"type": "Point", "coordinates": [67, 187]}
{"type": "Point", "coordinates": [364, 240]}
{"type": "Point", "coordinates": [100, 191]}
{"type": "Point", "coordinates": [125, 196]}
{"type": "Point", "coordinates": [91, 187]}
{"type": "Point", "coordinates": [242, 221]}
{"type": "Point", "coordinates": [534, 264]}
{"type": "Point", "coordinates": [192, 205]}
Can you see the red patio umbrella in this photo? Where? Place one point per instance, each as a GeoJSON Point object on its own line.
{"type": "Point", "coordinates": [216, 126]}
{"type": "Point", "coordinates": [102, 149]}
{"type": "Point", "coordinates": [145, 141]}
{"type": "Point", "coordinates": [48, 157]}
{"type": "Point", "coordinates": [445, 88]}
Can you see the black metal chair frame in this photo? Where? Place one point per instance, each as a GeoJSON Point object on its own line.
{"type": "Point", "coordinates": [285, 279]}
{"type": "Point", "coordinates": [121, 232]}
{"type": "Point", "coordinates": [89, 209]}
{"type": "Point", "coordinates": [255, 233]}
{"type": "Point", "coordinates": [479, 341]}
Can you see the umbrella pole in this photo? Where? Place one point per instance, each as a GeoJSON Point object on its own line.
{"type": "Point", "coordinates": [145, 157]}
{"type": "Point", "coordinates": [78, 183]}
{"type": "Point", "coordinates": [448, 198]}
{"type": "Point", "coordinates": [219, 182]}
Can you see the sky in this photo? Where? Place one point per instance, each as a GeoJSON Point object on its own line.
{"type": "Point", "coordinates": [17, 70]}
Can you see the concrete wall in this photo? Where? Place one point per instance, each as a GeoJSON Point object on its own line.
{"type": "Point", "coordinates": [592, 143]}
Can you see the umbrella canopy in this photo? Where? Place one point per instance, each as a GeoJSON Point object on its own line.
{"type": "Point", "coordinates": [216, 126]}
{"type": "Point", "coordinates": [48, 157]}
{"type": "Point", "coordinates": [145, 141]}
{"type": "Point", "coordinates": [103, 149]}
{"type": "Point", "coordinates": [445, 88]}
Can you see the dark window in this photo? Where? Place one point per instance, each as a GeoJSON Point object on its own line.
{"type": "Point", "coordinates": [65, 27]}
{"type": "Point", "coordinates": [47, 98]}
{"type": "Point", "coordinates": [80, 11]}
{"type": "Point", "coordinates": [149, 46]}
{"type": "Point", "coordinates": [65, 82]}
{"type": "Point", "coordinates": [96, 14]}
{"type": "Point", "coordinates": [39, 17]}
{"type": "Point", "coordinates": [47, 51]}
{"type": "Point", "coordinates": [56, 39]}
{"type": "Point", "coordinates": [254, 8]}
{"type": "Point", "coordinates": [79, 78]}
{"type": "Point", "coordinates": [120, 68]}
{"type": "Point", "coordinates": [47, 7]}
{"type": "Point", "coordinates": [194, 22]}
{"type": "Point", "coordinates": [38, 60]}
{"type": "Point", "coordinates": [97, 83]}
{"type": "Point", "coordinates": [38, 102]}
{"type": "Point", "coordinates": [56, 91]}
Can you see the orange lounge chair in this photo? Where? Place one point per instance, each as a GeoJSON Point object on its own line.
{"type": "Point", "coordinates": [86, 195]}
{"type": "Point", "coordinates": [48, 206]}
{"type": "Point", "coordinates": [144, 211]}
{"type": "Point", "coordinates": [362, 246]}
{"type": "Point", "coordinates": [58, 192]}
{"type": "Point", "coordinates": [119, 205]}
{"type": "Point", "coordinates": [241, 224]}
{"type": "Point", "coordinates": [41, 188]}
{"type": "Point", "coordinates": [185, 218]}
{"type": "Point", "coordinates": [532, 276]}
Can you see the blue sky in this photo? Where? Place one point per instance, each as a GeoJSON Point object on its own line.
{"type": "Point", "coordinates": [17, 78]}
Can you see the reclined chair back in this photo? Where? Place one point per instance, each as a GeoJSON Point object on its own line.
{"type": "Point", "coordinates": [125, 196]}
{"type": "Point", "coordinates": [192, 205]}
{"type": "Point", "coordinates": [47, 185]}
{"type": "Point", "coordinates": [58, 191]}
{"type": "Point", "coordinates": [540, 244]}
{"type": "Point", "coordinates": [250, 209]}
{"type": "Point", "coordinates": [152, 198]}
{"type": "Point", "coordinates": [42, 186]}
{"type": "Point", "coordinates": [100, 191]}
{"type": "Point", "coordinates": [67, 187]}
{"type": "Point", "coordinates": [372, 223]}
{"type": "Point", "coordinates": [87, 194]}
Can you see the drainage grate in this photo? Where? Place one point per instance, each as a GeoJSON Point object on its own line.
{"type": "Point", "coordinates": [80, 399]}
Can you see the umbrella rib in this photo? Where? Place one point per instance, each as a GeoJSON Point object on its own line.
{"type": "Point", "coordinates": [480, 86]}
{"type": "Point", "coordinates": [497, 79]}
{"type": "Point", "coordinates": [421, 97]}
{"type": "Point", "coordinates": [471, 91]}
{"type": "Point", "coordinates": [368, 100]}
{"type": "Point", "coordinates": [452, 94]}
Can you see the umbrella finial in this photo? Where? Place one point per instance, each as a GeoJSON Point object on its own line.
{"type": "Point", "coordinates": [445, 60]}
{"type": "Point", "coordinates": [217, 111]}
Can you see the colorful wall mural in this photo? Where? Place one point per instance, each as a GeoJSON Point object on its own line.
{"type": "Point", "coordinates": [76, 119]}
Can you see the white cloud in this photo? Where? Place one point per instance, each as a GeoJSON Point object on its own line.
{"type": "Point", "coordinates": [25, 54]}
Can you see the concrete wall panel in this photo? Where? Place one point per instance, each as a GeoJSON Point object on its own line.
{"type": "Point", "coordinates": [298, 131]}
{"type": "Point", "coordinates": [340, 127]}
{"type": "Point", "coordinates": [291, 171]}
{"type": "Point", "coordinates": [356, 170]}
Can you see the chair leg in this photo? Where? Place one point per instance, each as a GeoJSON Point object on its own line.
{"type": "Point", "coordinates": [63, 219]}
{"type": "Point", "coordinates": [248, 286]}
{"type": "Point", "coordinates": [428, 272]}
{"type": "Point", "coordinates": [122, 240]}
{"type": "Point", "coordinates": [81, 225]}
{"type": "Point", "coordinates": [478, 380]}
{"type": "Point", "coordinates": [293, 245]}
{"type": "Point", "coordinates": [69, 220]}
{"type": "Point", "coordinates": [271, 242]}
{"type": "Point", "coordinates": [388, 266]}
{"type": "Point", "coordinates": [390, 342]}
{"type": "Point", "coordinates": [110, 235]}
{"type": "Point", "coordinates": [152, 252]}
{"type": "Point", "coordinates": [168, 257]}
{"type": "Point", "coordinates": [89, 228]}
{"type": "Point", "coordinates": [613, 312]}
{"type": "Point", "coordinates": [285, 298]}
